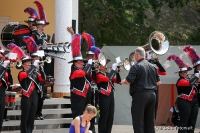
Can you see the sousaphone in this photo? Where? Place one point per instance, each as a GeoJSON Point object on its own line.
{"type": "Point", "coordinates": [158, 45]}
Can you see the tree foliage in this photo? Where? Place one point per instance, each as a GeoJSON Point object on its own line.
{"type": "Point", "coordinates": [121, 22]}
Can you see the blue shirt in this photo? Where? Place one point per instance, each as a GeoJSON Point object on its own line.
{"type": "Point", "coordinates": [82, 129]}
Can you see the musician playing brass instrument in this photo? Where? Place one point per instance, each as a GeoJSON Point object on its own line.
{"type": "Point", "coordinates": [42, 38]}
{"type": "Point", "coordinates": [195, 60]}
{"type": "Point", "coordinates": [29, 80]}
{"type": "Point", "coordinates": [39, 69]}
{"type": "Point", "coordinates": [161, 71]}
{"type": "Point", "coordinates": [105, 83]}
{"type": "Point", "coordinates": [79, 78]}
{"type": "Point", "coordinates": [90, 55]}
{"type": "Point", "coordinates": [187, 96]}
{"type": "Point", "coordinates": [4, 85]}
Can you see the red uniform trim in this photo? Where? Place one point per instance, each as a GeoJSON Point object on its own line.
{"type": "Point", "coordinates": [161, 73]}
{"type": "Point", "coordinates": [106, 92]}
{"type": "Point", "coordinates": [190, 96]}
{"type": "Point", "coordinates": [23, 75]}
{"type": "Point", "coordinates": [115, 80]}
{"type": "Point", "coordinates": [40, 78]}
{"type": "Point", "coordinates": [82, 93]}
{"type": "Point", "coordinates": [78, 74]}
{"type": "Point", "coordinates": [102, 78]}
{"type": "Point", "coordinates": [6, 78]}
{"type": "Point", "coordinates": [183, 82]}
{"type": "Point", "coordinates": [29, 92]}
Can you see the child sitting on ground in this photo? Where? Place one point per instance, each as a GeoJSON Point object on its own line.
{"type": "Point", "coordinates": [81, 123]}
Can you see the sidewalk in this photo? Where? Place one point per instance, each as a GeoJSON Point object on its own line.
{"type": "Point", "coordinates": [129, 129]}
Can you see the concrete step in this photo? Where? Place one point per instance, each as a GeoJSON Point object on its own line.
{"type": "Point", "coordinates": [44, 111]}
{"type": "Point", "coordinates": [59, 130]}
{"type": "Point", "coordinates": [51, 101]}
{"type": "Point", "coordinates": [40, 122]}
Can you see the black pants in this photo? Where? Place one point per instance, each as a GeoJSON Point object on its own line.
{"type": "Point", "coordinates": [188, 112]}
{"type": "Point", "coordinates": [47, 68]}
{"type": "Point", "coordinates": [40, 105]}
{"type": "Point", "coordinates": [40, 102]}
{"type": "Point", "coordinates": [156, 104]}
{"type": "Point", "coordinates": [92, 121]}
{"type": "Point", "coordinates": [78, 103]}
{"type": "Point", "coordinates": [5, 113]}
{"type": "Point", "coordinates": [2, 106]}
{"type": "Point", "coordinates": [106, 105]}
{"type": "Point", "coordinates": [143, 111]}
{"type": "Point", "coordinates": [28, 112]}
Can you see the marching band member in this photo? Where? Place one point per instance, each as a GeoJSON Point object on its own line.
{"type": "Point", "coordinates": [29, 80]}
{"type": "Point", "coordinates": [187, 96]}
{"type": "Point", "coordinates": [79, 79]}
{"type": "Point", "coordinates": [32, 18]}
{"type": "Point", "coordinates": [161, 71]}
{"type": "Point", "coordinates": [105, 83]}
{"type": "Point", "coordinates": [90, 55]}
{"type": "Point", "coordinates": [33, 49]}
{"type": "Point", "coordinates": [41, 99]}
{"type": "Point", "coordinates": [4, 84]}
{"type": "Point", "coordinates": [41, 38]}
{"type": "Point", "coordinates": [195, 60]}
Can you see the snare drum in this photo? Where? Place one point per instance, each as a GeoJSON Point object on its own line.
{"type": "Point", "coordinates": [15, 33]}
{"type": "Point", "coordinates": [49, 82]}
{"type": "Point", "coordinates": [10, 99]}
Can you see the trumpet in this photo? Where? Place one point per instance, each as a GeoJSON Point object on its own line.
{"type": "Point", "coordinates": [158, 45]}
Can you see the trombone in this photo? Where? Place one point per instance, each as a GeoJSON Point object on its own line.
{"type": "Point", "coordinates": [158, 45]}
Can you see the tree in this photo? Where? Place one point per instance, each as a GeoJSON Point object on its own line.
{"type": "Point", "coordinates": [125, 22]}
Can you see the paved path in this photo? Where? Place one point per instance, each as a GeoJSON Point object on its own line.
{"type": "Point", "coordinates": [160, 129]}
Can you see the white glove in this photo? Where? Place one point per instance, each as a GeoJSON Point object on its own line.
{"type": "Point", "coordinates": [36, 63]}
{"type": "Point", "coordinates": [148, 56]}
{"type": "Point", "coordinates": [197, 75]}
{"type": "Point", "coordinates": [90, 61]}
{"type": "Point", "coordinates": [5, 63]}
{"type": "Point", "coordinates": [114, 66]}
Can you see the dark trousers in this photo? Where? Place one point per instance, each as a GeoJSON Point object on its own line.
{"type": "Point", "coordinates": [40, 102]}
{"type": "Point", "coordinates": [28, 112]}
{"type": "Point", "coordinates": [2, 106]}
{"type": "Point", "coordinates": [156, 104]}
{"type": "Point", "coordinates": [143, 111]}
{"type": "Point", "coordinates": [40, 105]}
{"type": "Point", "coordinates": [188, 112]}
{"type": "Point", "coordinates": [78, 103]}
{"type": "Point", "coordinates": [47, 68]}
{"type": "Point", "coordinates": [5, 113]}
{"type": "Point", "coordinates": [106, 105]}
{"type": "Point", "coordinates": [92, 121]}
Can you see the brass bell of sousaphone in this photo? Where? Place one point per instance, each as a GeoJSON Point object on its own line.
{"type": "Point", "coordinates": [158, 45]}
